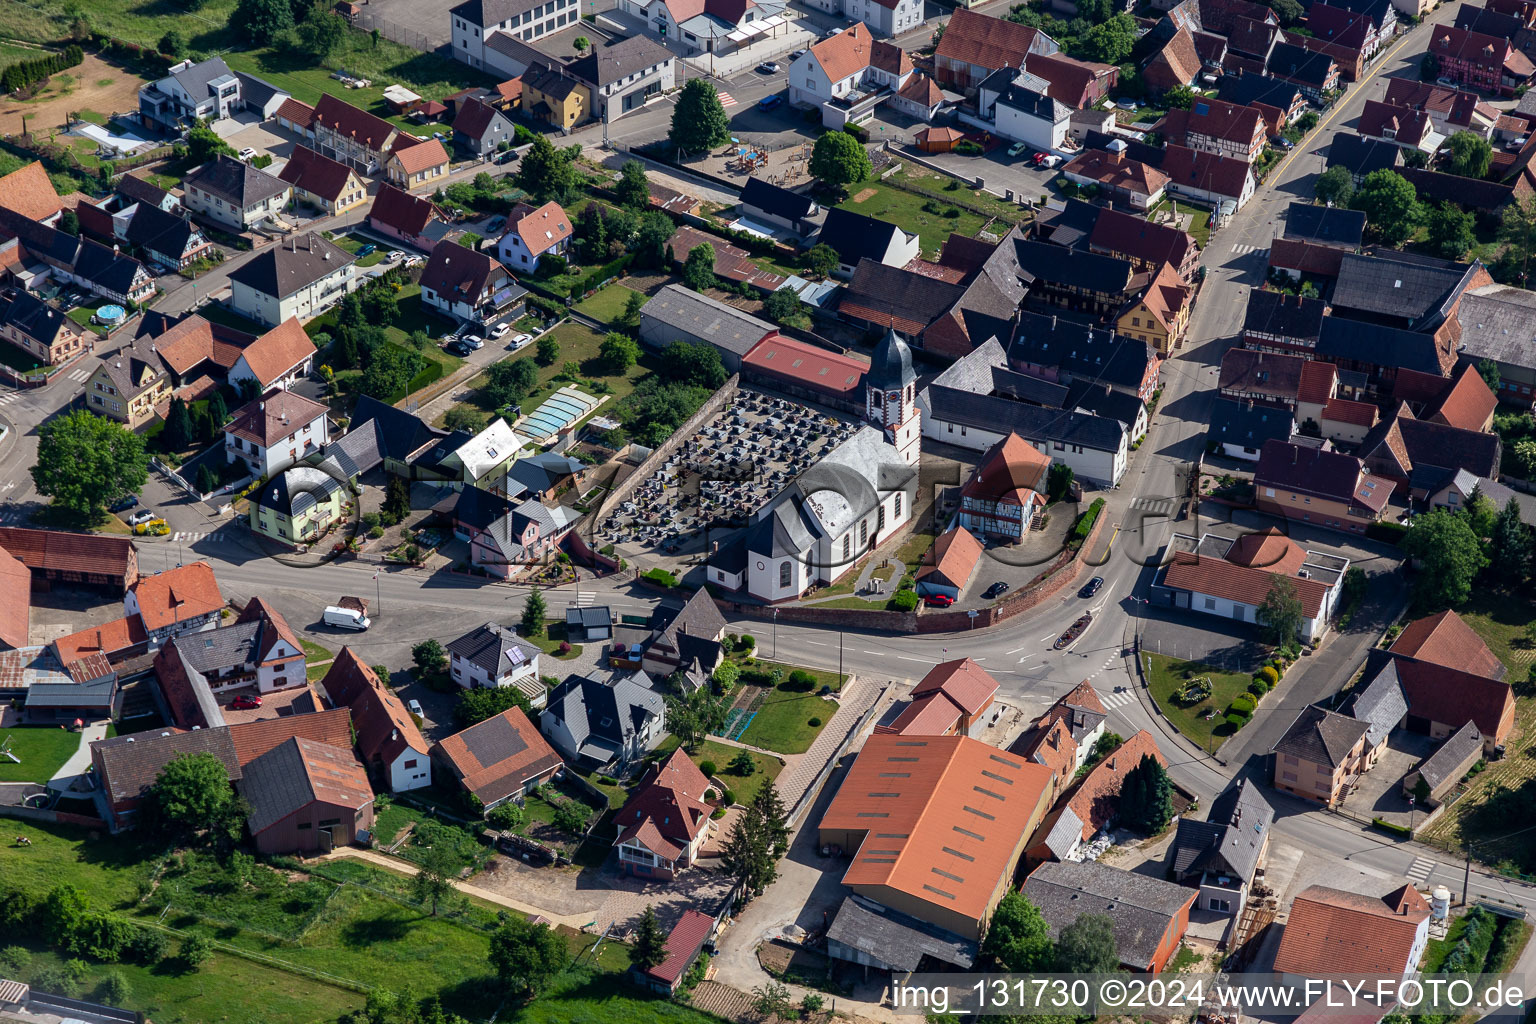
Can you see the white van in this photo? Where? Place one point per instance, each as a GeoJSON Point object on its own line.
{"type": "Point", "coordinates": [346, 618]}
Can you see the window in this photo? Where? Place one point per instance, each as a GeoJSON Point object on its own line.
{"type": "Point", "coordinates": [897, 508]}
{"type": "Point", "coordinates": [863, 533]}
{"type": "Point", "coordinates": [304, 825]}
{"type": "Point", "coordinates": [1223, 906]}
{"type": "Point", "coordinates": [1210, 603]}
{"type": "Point", "coordinates": [784, 575]}
{"type": "Point", "coordinates": [409, 764]}
{"type": "Point", "coordinates": [847, 545]}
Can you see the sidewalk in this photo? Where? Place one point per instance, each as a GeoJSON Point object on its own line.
{"type": "Point", "coordinates": [80, 760]}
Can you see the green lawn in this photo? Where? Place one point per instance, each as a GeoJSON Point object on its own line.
{"type": "Point", "coordinates": [782, 721]}
{"type": "Point", "coordinates": [549, 642]}
{"type": "Point", "coordinates": [913, 549]}
{"type": "Point", "coordinates": [606, 305]}
{"type": "Point", "coordinates": [907, 210]}
{"type": "Point", "coordinates": [831, 680]}
{"type": "Point", "coordinates": [10, 53]}
{"type": "Point", "coordinates": [352, 244]}
{"type": "Point", "coordinates": [42, 750]}
{"type": "Point", "coordinates": [744, 787]}
{"type": "Point", "coordinates": [82, 315]}
{"type": "Point", "coordinates": [1166, 676]}
{"type": "Point", "coordinates": [314, 652]}
{"type": "Point", "coordinates": [205, 27]}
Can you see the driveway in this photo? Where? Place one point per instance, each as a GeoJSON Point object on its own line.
{"type": "Point", "coordinates": [1380, 792]}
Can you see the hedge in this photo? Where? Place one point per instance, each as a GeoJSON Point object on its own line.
{"type": "Point", "coordinates": [660, 576]}
{"type": "Point", "coordinates": [752, 243]}
{"type": "Point", "coordinates": [26, 72]}
{"type": "Point", "coordinates": [426, 375]}
{"type": "Point", "coordinates": [1394, 828]}
{"type": "Point", "coordinates": [603, 273]}
{"type": "Point", "coordinates": [1390, 533]}
{"type": "Point", "coordinates": [1085, 522]}
{"type": "Point", "coordinates": [904, 601]}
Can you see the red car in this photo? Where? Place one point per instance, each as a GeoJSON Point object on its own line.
{"type": "Point", "coordinates": [244, 703]}
{"type": "Point", "coordinates": [939, 600]}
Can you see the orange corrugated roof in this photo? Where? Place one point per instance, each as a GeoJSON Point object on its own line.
{"type": "Point", "coordinates": [943, 817]}
{"type": "Point", "coordinates": [1097, 797]}
{"type": "Point", "coordinates": [178, 594]}
{"type": "Point", "coordinates": [970, 686]}
{"type": "Point", "coordinates": [1335, 932]}
{"type": "Point", "coordinates": [1446, 640]}
{"type": "Point", "coordinates": [252, 739]}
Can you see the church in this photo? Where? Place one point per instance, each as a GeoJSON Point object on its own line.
{"type": "Point", "coordinates": [852, 501]}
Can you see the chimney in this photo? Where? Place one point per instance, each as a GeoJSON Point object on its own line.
{"type": "Point", "coordinates": [394, 734]}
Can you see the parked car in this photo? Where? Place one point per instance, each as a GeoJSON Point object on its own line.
{"type": "Point", "coordinates": [1038, 158]}
{"type": "Point", "coordinates": [1017, 148]}
{"type": "Point", "coordinates": [1092, 586]}
{"type": "Point", "coordinates": [518, 341]}
{"type": "Point", "coordinates": [1281, 141]}
{"type": "Point", "coordinates": [769, 67]}
{"type": "Point", "coordinates": [798, 54]}
{"type": "Point", "coordinates": [939, 600]}
{"type": "Point", "coordinates": [143, 515]}
{"type": "Point", "coordinates": [414, 707]}
{"type": "Point", "coordinates": [500, 329]}
{"type": "Point", "coordinates": [995, 590]}
{"type": "Point", "coordinates": [769, 102]}
{"type": "Point", "coordinates": [247, 153]}
{"type": "Point", "coordinates": [496, 223]}
{"type": "Point", "coordinates": [395, 256]}
{"type": "Point", "coordinates": [1051, 160]}
{"type": "Point", "coordinates": [835, 32]}
{"type": "Point", "coordinates": [124, 504]}
{"type": "Point", "coordinates": [440, 137]}
{"type": "Point", "coordinates": [245, 702]}
{"type": "Point", "coordinates": [457, 348]}
{"type": "Point", "coordinates": [367, 250]}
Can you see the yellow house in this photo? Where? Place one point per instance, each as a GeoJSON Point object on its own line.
{"type": "Point", "coordinates": [128, 384]}
{"type": "Point", "coordinates": [416, 166]}
{"type": "Point", "coordinates": [296, 507]}
{"type": "Point", "coordinates": [551, 95]}
{"type": "Point", "coordinates": [322, 182]}
{"type": "Point", "coordinates": [1161, 315]}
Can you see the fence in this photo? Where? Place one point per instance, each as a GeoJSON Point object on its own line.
{"type": "Point", "coordinates": [398, 33]}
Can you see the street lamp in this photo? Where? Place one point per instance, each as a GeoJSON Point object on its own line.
{"type": "Point", "coordinates": [775, 634]}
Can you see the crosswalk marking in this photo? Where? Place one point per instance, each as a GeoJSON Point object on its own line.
{"type": "Point", "coordinates": [79, 374]}
{"type": "Point", "coordinates": [1117, 700]}
{"type": "Point", "coordinates": [12, 514]}
{"type": "Point", "coordinates": [584, 598]}
{"type": "Point", "coordinates": [193, 536]}
{"type": "Point", "coordinates": [1420, 871]}
{"type": "Point", "coordinates": [9, 396]}
{"type": "Point", "coordinates": [727, 100]}
{"type": "Point", "coordinates": [1243, 250]}
{"type": "Point", "coordinates": [1157, 506]}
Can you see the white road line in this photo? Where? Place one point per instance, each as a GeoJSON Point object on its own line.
{"type": "Point", "coordinates": [818, 643]}
{"type": "Point", "coordinates": [1016, 650]}
{"type": "Point", "coordinates": [878, 654]}
{"type": "Point", "coordinates": [903, 657]}
{"type": "Point", "coordinates": [1025, 658]}
{"type": "Point", "coordinates": [1047, 637]}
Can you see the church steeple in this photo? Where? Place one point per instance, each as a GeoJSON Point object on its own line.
{"type": "Point", "coordinates": [891, 396]}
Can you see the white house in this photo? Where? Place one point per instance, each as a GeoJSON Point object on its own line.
{"type": "Point", "coordinates": [471, 23]}
{"type": "Point", "coordinates": [300, 276]}
{"type": "Point", "coordinates": [208, 90]}
{"type": "Point", "coordinates": [533, 232]}
{"type": "Point", "coordinates": [278, 359]}
{"type": "Point", "coordinates": [483, 459]}
{"type": "Point", "coordinates": [884, 17]}
{"type": "Point", "coordinates": [492, 656]}
{"type": "Point", "coordinates": [1230, 578]}
{"type": "Point", "coordinates": [276, 431]}
{"type": "Point", "coordinates": [626, 75]}
{"type": "Point", "coordinates": [1096, 447]}
{"type": "Point", "coordinates": [234, 194]}
{"type": "Point", "coordinates": [467, 285]}
{"type": "Point", "coordinates": [1015, 106]}
{"type": "Point", "coordinates": [595, 723]}
{"type": "Point", "coordinates": [852, 73]}
{"type": "Point", "coordinates": [855, 237]}
{"type": "Point", "coordinates": [388, 741]}
{"type": "Point", "coordinates": [710, 26]}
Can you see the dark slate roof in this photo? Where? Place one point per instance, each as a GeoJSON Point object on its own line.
{"type": "Point", "coordinates": [1103, 400]}
{"type": "Point", "coordinates": [1248, 88]}
{"type": "Point", "coordinates": [493, 648]}
{"type": "Point", "coordinates": [292, 492]}
{"type": "Point", "coordinates": [141, 191]}
{"type": "Point", "coordinates": [1382, 704]}
{"type": "Point", "coordinates": [1443, 765]}
{"type": "Point", "coordinates": [158, 231]}
{"type": "Point", "coordinates": [611, 711]}
{"type": "Point", "coordinates": [855, 236]}
{"type": "Point", "coordinates": [1328, 474]}
{"type": "Point", "coordinates": [111, 270]}
{"type": "Point", "coordinates": [543, 471]}
{"type": "Point", "coordinates": [1021, 387]}
{"type": "Point", "coordinates": [1141, 906]}
{"type": "Point", "coordinates": [895, 293]}
{"type": "Point", "coordinates": [1249, 425]}
{"type": "Point", "coordinates": [479, 508]}
{"type": "Point", "coordinates": [1439, 446]}
{"type": "Point", "coordinates": [776, 199]}
{"type": "Point", "coordinates": [214, 650]}
{"type": "Point", "coordinates": [1416, 290]}
{"type": "Point", "coordinates": [1073, 267]}
{"type": "Point", "coordinates": [33, 317]}
{"type": "Point", "coordinates": [895, 939]}
{"type": "Point", "coordinates": [1376, 345]}
{"type": "Point", "coordinates": [1081, 351]}
{"type": "Point", "coordinates": [890, 368]}
{"type": "Point", "coordinates": [1311, 222]}
{"type": "Point", "coordinates": [133, 763]}
{"type": "Point", "coordinates": [1033, 423]}
{"type": "Point", "coordinates": [279, 270]}
{"type": "Point", "coordinates": [1300, 63]}
{"type": "Point", "coordinates": [1321, 737]}
{"type": "Point", "coordinates": [1287, 315]}
{"type": "Point", "coordinates": [1361, 155]}
{"type": "Point", "coordinates": [1069, 227]}
{"type": "Point", "coordinates": [617, 61]}
{"type": "Point", "coordinates": [1468, 193]}
{"type": "Point", "coordinates": [236, 182]}
{"type": "Point", "coordinates": [256, 92]}
{"type": "Point", "coordinates": [1230, 839]}
{"type": "Point", "coordinates": [1035, 104]}
{"type": "Point", "coordinates": [400, 433]}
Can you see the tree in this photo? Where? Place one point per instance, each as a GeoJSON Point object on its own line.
{"type": "Point", "coordinates": [1280, 614]}
{"type": "Point", "coordinates": [203, 143]}
{"type": "Point", "coordinates": [527, 956]}
{"type": "Point", "coordinates": [742, 764]}
{"type": "Point", "coordinates": [178, 426]}
{"type": "Point", "coordinates": [630, 318]}
{"type": "Point", "coordinates": [508, 816]}
{"type": "Point", "coordinates": [1429, 68]}
{"type": "Point", "coordinates": [1288, 11]}
{"type": "Point", "coordinates": [509, 382]}
{"type": "Point", "coordinates": [69, 223]}
{"type": "Point", "coordinates": [380, 305]}
{"type": "Point", "coordinates": [1058, 480]}
{"type": "Point", "coordinates": [389, 372]}
{"type": "Point", "coordinates": [618, 352]}
{"type": "Point", "coordinates": [648, 946]}
{"type": "Point", "coordinates": [534, 611]}
{"type": "Point", "coordinates": [1469, 155]}
{"type": "Point", "coordinates": [650, 246]}
{"type": "Point", "coordinates": [429, 657]}
{"type": "Point", "coordinates": [195, 950]}
{"type": "Point", "coordinates": [839, 160]}
{"type": "Point", "coordinates": [488, 702]}
{"type": "Point", "coordinates": [63, 916]}
{"type": "Point", "coordinates": [1480, 513]}
{"type": "Point", "coordinates": [1449, 558]}
{"type": "Point", "coordinates": [1018, 939]}
{"type": "Point", "coordinates": [785, 307]}
{"type": "Point", "coordinates": [699, 121]}
{"type": "Point", "coordinates": [545, 172]}
{"type": "Point", "coordinates": [85, 462]}
{"type": "Point", "coordinates": [262, 19]}
{"type": "Point", "coordinates": [397, 499]}
{"type": "Point", "coordinates": [694, 365]}
{"type": "Point", "coordinates": [821, 260]}
{"type": "Point", "coordinates": [632, 189]}
{"type": "Point", "coordinates": [191, 792]}
{"type": "Point", "coordinates": [1489, 371]}
{"type": "Point", "coordinates": [433, 882]}
{"type": "Point", "coordinates": [173, 43]}
{"type": "Point", "coordinates": [1390, 204]}
{"type": "Point", "coordinates": [1334, 186]}
{"type": "Point", "coordinates": [1421, 791]}
{"type": "Point", "coordinates": [1087, 946]}
{"type": "Point", "coordinates": [320, 35]}
{"type": "Point", "coordinates": [1146, 797]}
{"type": "Point", "coordinates": [547, 350]}
{"type": "Point", "coordinates": [218, 412]}
{"type": "Point", "coordinates": [1180, 97]}
{"type": "Point", "coordinates": [1110, 42]}
{"type": "Point", "coordinates": [775, 819]}
{"type": "Point", "coordinates": [374, 35]}
{"type": "Point", "coordinates": [580, 43]}
{"type": "Point", "coordinates": [1509, 547]}
{"type": "Point", "coordinates": [1450, 230]}
{"type": "Point", "coordinates": [693, 716]}
{"type": "Point", "coordinates": [772, 1000]}
{"type": "Point", "coordinates": [699, 270]}
{"type": "Point", "coordinates": [1518, 232]}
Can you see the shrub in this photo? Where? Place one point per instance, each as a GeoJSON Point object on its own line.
{"type": "Point", "coordinates": [904, 601]}
{"type": "Point", "coordinates": [148, 946]}
{"type": "Point", "coordinates": [1258, 687]}
{"type": "Point", "coordinates": [1390, 533]}
{"type": "Point", "coordinates": [1243, 704]}
{"type": "Point", "coordinates": [717, 813]}
{"type": "Point", "coordinates": [747, 642]}
{"type": "Point", "coordinates": [565, 647]}
{"type": "Point", "coordinates": [59, 981]}
{"type": "Point", "coordinates": [1236, 721]}
{"type": "Point", "coordinates": [966, 147]}
{"type": "Point", "coordinates": [742, 764]}
{"type": "Point", "coordinates": [728, 798]}
{"type": "Point", "coordinates": [660, 576]}
{"type": "Point", "coordinates": [814, 722]}
{"type": "Point", "coordinates": [15, 960]}
{"type": "Point", "coordinates": [375, 532]}
{"type": "Point", "coordinates": [800, 679]}
{"type": "Point", "coordinates": [506, 817]}
{"type": "Point", "coordinates": [1269, 675]}
{"type": "Point", "coordinates": [195, 950]}
{"type": "Point", "coordinates": [1395, 829]}
{"type": "Point", "coordinates": [707, 767]}
{"type": "Point", "coordinates": [115, 990]}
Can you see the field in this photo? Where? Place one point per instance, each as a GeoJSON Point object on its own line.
{"type": "Point", "coordinates": [43, 751]}
{"type": "Point", "coordinates": [95, 85]}
{"type": "Point", "coordinates": [1167, 676]}
{"type": "Point", "coordinates": [1485, 818]}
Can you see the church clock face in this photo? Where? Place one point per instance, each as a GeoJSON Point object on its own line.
{"type": "Point", "coordinates": [893, 396]}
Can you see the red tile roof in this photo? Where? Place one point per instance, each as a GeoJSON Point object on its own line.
{"type": "Point", "coordinates": [407, 214]}
{"type": "Point", "coordinates": [109, 638]}
{"type": "Point", "coordinates": [667, 811]}
{"type": "Point", "coordinates": [301, 115]}
{"type": "Point", "coordinates": [684, 941]}
{"type": "Point", "coordinates": [1118, 172]}
{"type": "Point", "coordinates": [1268, 549]}
{"type": "Point", "coordinates": [1166, 297]}
{"type": "Point", "coordinates": [845, 54]}
{"type": "Point", "coordinates": [1176, 63]}
{"type": "Point", "coordinates": [1012, 471]}
{"type": "Point", "coordinates": [1468, 403]}
{"type": "Point", "coordinates": [1445, 639]}
{"type": "Point", "coordinates": [1305, 257]}
{"type": "Point", "coordinates": [278, 351]}
{"type": "Point", "coordinates": [56, 551]}
{"type": "Point", "coordinates": [540, 229]}
{"type": "Point", "coordinates": [1224, 175]}
{"type": "Point", "coordinates": [1317, 382]}
{"type": "Point", "coordinates": [351, 122]}
{"type": "Point", "coordinates": [1406, 124]}
{"type": "Point", "coordinates": [28, 191]}
{"type": "Point", "coordinates": [1217, 119]}
{"type": "Point", "coordinates": [258, 610]}
{"type": "Point", "coordinates": [963, 682]}
{"type": "Point", "coordinates": [252, 739]}
{"type": "Point", "coordinates": [952, 559]}
{"type": "Point", "coordinates": [1335, 932]}
{"type": "Point", "coordinates": [806, 364]}
{"type": "Point", "coordinates": [495, 759]}
{"type": "Point", "coordinates": [418, 156]}
{"type": "Point", "coordinates": [984, 41]}
{"type": "Point", "coordinates": [1342, 410]}
{"type": "Point", "coordinates": [384, 728]}
{"type": "Point", "coordinates": [16, 610]}
{"type": "Point", "coordinates": [1097, 797]}
{"type": "Point", "coordinates": [1138, 238]}
{"type": "Point", "coordinates": [1202, 574]}
{"type": "Point", "coordinates": [316, 174]}
{"type": "Point", "coordinates": [1453, 697]}
{"type": "Point", "coordinates": [177, 595]}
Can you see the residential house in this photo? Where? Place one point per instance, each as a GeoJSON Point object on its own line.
{"type": "Point", "coordinates": [1450, 110]}
{"type": "Point", "coordinates": [1081, 718]}
{"type": "Point", "coordinates": [40, 330]}
{"type": "Point", "coordinates": [553, 95]}
{"type": "Point", "coordinates": [1077, 281]}
{"type": "Point", "coordinates": [677, 313]}
{"type": "Point", "coordinates": [1242, 428]}
{"type": "Point", "coordinates": [685, 943]}
{"type": "Point", "coordinates": [127, 766]}
{"type": "Point", "coordinates": [934, 826]}
{"type": "Point", "coordinates": [417, 165]}
{"type": "Point", "coordinates": [257, 736]}
{"type": "Point", "coordinates": [1457, 490]}
{"type": "Point", "coordinates": [1319, 486]}
{"type": "Point", "coordinates": [388, 740]}
{"type": "Point", "coordinates": [275, 431]}
{"type": "Point", "coordinates": [297, 506]}
{"type": "Point", "coordinates": [1006, 491]}
{"type": "Point", "coordinates": [952, 699]}
{"type": "Point", "coordinates": [1462, 400]}
{"type": "Point", "coordinates": [664, 824]}
{"type": "Point", "coordinates": [476, 23]}
{"type": "Point", "coordinates": [1150, 915]}
{"type": "Point", "coordinates": [203, 90]}
{"type": "Point", "coordinates": [1066, 352]}
{"type": "Point", "coordinates": [884, 17]}
{"type": "Point", "coordinates": [1479, 62]}
{"type": "Point", "coordinates": [414, 220]}
{"type": "Point", "coordinates": [136, 189]}
{"type": "Point", "coordinates": [257, 649]}
{"type": "Point", "coordinates": [1131, 181]}
{"type": "Point", "coordinates": [1420, 455]}
{"type": "Point", "coordinates": [1350, 28]}
{"type": "Point", "coordinates": [1249, 89]}
{"type": "Point", "coordinates": [1281, 323]}
{"type": "Point", "coordinates": [300, 276]}
{"type": "Point", "coordinates": [498, 759]}
{"type": "Point", "coordinates": [361, 140]}
{"type": "Point", "coordinates": [1251, 375]}
{"type": "Point", "coordinates": [29, 194]}
{"type": "Point", "coordinates": [1147, 246]}
{"type": "Point", "coordinates": [58, 556]}
{"type": "Point", "coordinates": [1079, 84]}
{"type": "Point", "coordinates": [1316, 74]}
{"type": "Point", "coordinates": [1376, 354]}
{"type": "Point", "coordinates": [975, 45]}
{"type": "Point", "coordinates": [492, 656]}
{"type": "Point", "coordinates": [170, 240]}
{"type": "Point", "coordinates": [855, 237]}
{"type": "Point", "coordinates": [1226, 183]}
{"type": "Point", "coordinates": [949, 565]}
{"type": "Point", "coordinates": [1330, 929]}
{"type": "Point", "coordinates": [1325, 225]}
{"type": "Point", "coordinates": [106, 272]}
{"type": "Point", "coordinates": [1217, 127]}
{"type": "Point", "coordinates": [306, 796]}
{"type": "Point", "coordinates": [765, 203]}
{"type": "Point", "coordinates": [185, 693]}
{"type": "Point", "coordinates": [483, 459]}
{"type": "Point", "coordinates": [480, 129]}
{"type": "Point", "coordinates": [623, 77]}
{"type": "Point", "coordinates": [277, 359]}
{"type": "Point", "coordinates": [1406, 127]}
{"type": "Point", "coordinates": [531, 233]}
{"type": "Point", "coordinates": [1361, 156]}
{"type": "Point", "coordinates": [1160, 317]}
{"type": "Point", "coordinates": [689, 639]}
{"type": "Point", "coordinates": [1173, 65]}
{"type": "Point", "coordinates": [327, 184]}
{"type": "Point", "coordinates": [545, 476]}
{"type": "Point", "coordinates": [185, 599]}
{"type": "Point", "coordinates": [600, 723]}
{"type": "Point", "coordinates": [1096, 447]}
{"type": "Point", "coordinates": [128, 384]}
{"type": "Point", "coordinates": [466, 285]}
{"type": "Point", "coordinates": [234, 194]}
{"type": "Point", "coordinates": [1010, 107]}
{"type": "Point", "coordinates": [1232, 578]}
{"type": "Point", "coordinates": [1495, 323]}
{"type": "Point", "coordinates": [1091, 803]}
{"type": "Point", "coordinates": [1221, 856]}
{"type": "Point", "coordinates": [1321, 756]}
{"type": "Point", "coordinates": [532, 532]}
